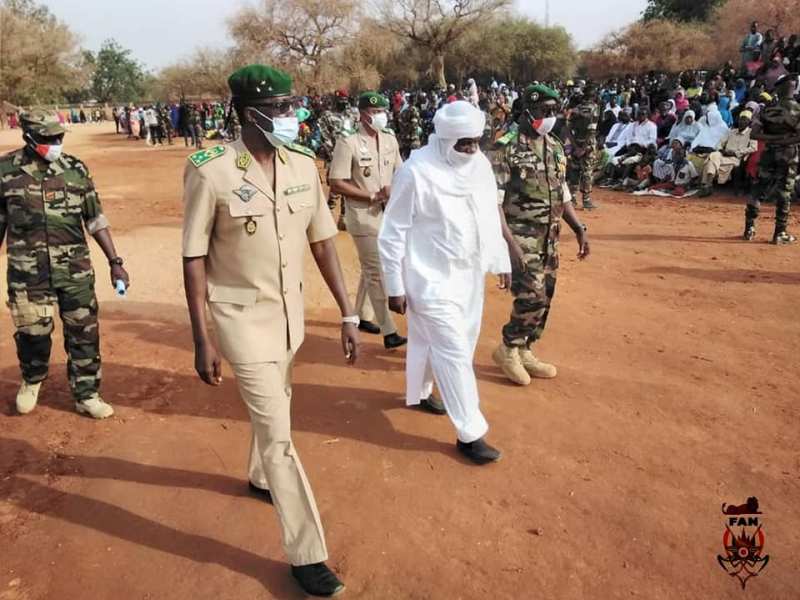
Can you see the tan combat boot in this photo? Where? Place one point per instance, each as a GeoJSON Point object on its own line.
{"type": "Point", "coordinates": [27, 397]}
{"type": "Point", "coordinates": [507, 358]}
{"type": "Point", "coordinates": [94, 407]}
{"type": "Point", "coordinates": [536, 367]}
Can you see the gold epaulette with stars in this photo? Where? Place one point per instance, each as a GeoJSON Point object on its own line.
{"type": "Point", "coordinates": [201, 157]}
{"type": "Point", "coordinates": [301, 150]}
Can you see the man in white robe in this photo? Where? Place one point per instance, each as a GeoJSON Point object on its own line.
{"type": "Point", "coordinates": [441, 234]}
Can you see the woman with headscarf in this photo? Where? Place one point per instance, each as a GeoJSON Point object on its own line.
{"type": "Point", "coordinates": [713, 132]}
{"type": "Point", "coordinates": [681, 102]}
{"type": "Point", "coordinates": [686, 129]}
{"type": "Point", "coordinates": [441, 234]}
{"type": "Point", "coordinates": [724, 107]}
{"type": "Point", "coordinates": [740, 91]}
{"type": "Point", "coordinates": [472, 92]}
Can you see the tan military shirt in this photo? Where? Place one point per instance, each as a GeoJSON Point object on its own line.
{"type": "Point", "coordinates": [254, 241]}
{"type": "Point", "coordinates": [370, 163]}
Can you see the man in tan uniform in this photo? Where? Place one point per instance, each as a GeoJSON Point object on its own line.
{"type": "Point", "coordinates": [251, 208]}
{"type": "Point", "coordinates": [362, 168]}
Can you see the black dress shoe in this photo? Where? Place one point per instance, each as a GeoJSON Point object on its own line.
{"type": "Point", "coordinates": [393, 341]}
{"type": "Point", "coordinates": [317, 580]}
{"type": "Point", "coordinates": [260, 492]}
{"type": "Point", "coordinates": [369, 327]}
{"type": "Point", "coordinates": [432, 405]}
{"type": "Point", "coordinates": [479, 451]}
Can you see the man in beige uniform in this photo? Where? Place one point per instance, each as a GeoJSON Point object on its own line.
{"type": "Point", "coordinates": [251, 208]}
{"type": "Point", "coordinates": [362, 168]}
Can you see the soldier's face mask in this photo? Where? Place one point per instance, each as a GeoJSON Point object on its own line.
{"type": "Point", "coordinates": [543, 118]}
{"type": "Point", "coordinates": [48, 147]}
{"type": "Point", "coordinates": [284, 129]}
{"type": "Point", "coordinates": [378, 120]}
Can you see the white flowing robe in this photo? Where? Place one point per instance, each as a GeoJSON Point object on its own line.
{"type": "Point", "coordinates": [440, 235]}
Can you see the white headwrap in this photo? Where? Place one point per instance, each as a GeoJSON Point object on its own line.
{"type": "Point", "coordinates": [459, 120]}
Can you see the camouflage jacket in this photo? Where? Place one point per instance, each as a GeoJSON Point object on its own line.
{"type": "Point", "coordinates": [332, 125]}
{"type": "Point", "coordinates": [44, 207]}
{"type": "Point", "coordinates": [410, 128]}
{"type": "Point", "coordinates": [582, 123]}
{"type": "Point", "coordinates": [532, 173]}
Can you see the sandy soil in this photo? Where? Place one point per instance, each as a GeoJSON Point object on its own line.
{"type": "Point", "coordinates": [677, 346]}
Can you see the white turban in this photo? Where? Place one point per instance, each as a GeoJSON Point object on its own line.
{"type": "Point", "coordinates": [458, 120]}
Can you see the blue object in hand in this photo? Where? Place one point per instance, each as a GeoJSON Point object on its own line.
{"type": "Point", "coordinates": [120, 288]}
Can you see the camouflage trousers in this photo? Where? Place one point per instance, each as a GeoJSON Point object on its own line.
{"type": "Point", "coordinates": [777, 177]}
{"type": "Point", "coordinates": [580, 172]}
{"type": "Point", "coordinates": [533, 289]}
{"type": "Point", "coordinates": [32, 312]}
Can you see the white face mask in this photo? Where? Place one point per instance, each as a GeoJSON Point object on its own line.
{"type": "Point", "coordinates": [544, 126]}
{"type": "Point", "coordinates": [379, 121]}
{"type": "Point", "coordinates": [459, 159]}
{"type": "Point", "coordinates": [284, 129]}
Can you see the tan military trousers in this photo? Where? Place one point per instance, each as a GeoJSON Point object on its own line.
{"type": "Point", "coordinates": [363, 225]}
{"type": "Point", "coordinates": [265, 389]}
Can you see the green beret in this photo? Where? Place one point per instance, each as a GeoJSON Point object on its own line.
{"type": "Point", "coordinates": [41, 122]}
{"type": "Point", "coordinates": [539, 92]}
{"type": "Point", "coordinates": [257, 82]}
{"type": "Point", "coordinates": [372, 100]}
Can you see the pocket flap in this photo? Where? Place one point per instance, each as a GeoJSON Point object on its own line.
{"type": "Point", "coordinates": [233, 295]}
{"type": "Point", "coordinates": [300, 202]}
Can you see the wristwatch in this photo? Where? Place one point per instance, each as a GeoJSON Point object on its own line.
{"type": "Point", "coordinates": [117, 260]}
{"type": "Point", "coordinates": [354, 319]}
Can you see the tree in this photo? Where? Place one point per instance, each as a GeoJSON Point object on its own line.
{"type": "Point", "coordinates": [733, 21]}
{"type": "Point", "coordinates": [680, 10]}
{"type": "Point", "coordinates": [436, 25]}
{"type": "Point", "coordinates": [117, 76]}
{"type": "Point", "coordinates": [658, 45]}
{"type": "Point", "coordinates": [296, 34]}
{"type": "Point", "coordinates": [39, 55]}
{"type": "Point", "coordinates": [205, 73]}
{"type": "Point", "coordinates": [513, 48]}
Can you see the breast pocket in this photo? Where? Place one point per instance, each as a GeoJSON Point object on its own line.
{"type": "Point", "coordinates": [301, 206]}
{"type": "Point", "coordinates": [255, 206]}
{"type": "Point", "coordinates": [72, 198]}
{"type": "Point", "coordinates": [21, 217]}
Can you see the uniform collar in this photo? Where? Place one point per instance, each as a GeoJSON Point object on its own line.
{"type": "Point", "coordinates": [252, 172]}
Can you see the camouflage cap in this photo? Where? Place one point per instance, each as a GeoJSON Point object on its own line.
{"type": "Point", "coordinates": [258, 82]}
{"type": "Point", "coordinates": [41, 122]}
{"type": "Point", "coordinates": [539, 93]}
{"type": "Point", "coordinates": [372, 100]}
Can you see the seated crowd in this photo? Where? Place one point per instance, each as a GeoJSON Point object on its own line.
{"type": "Point", "coordinates": [697, 137]}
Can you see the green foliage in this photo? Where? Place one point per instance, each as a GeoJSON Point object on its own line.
{"type": "Point", "coordinates": [680, 10]}
{"type": "Point", "coordinates": [117, 76]}
{"type": "Point", "coordinates": [39, 55]}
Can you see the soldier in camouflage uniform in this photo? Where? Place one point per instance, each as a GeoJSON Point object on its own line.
{"type": "Point", "coordinates": [46, 200]}
{"type": "Point", "coordinates": [582, 133]}
{"type": "Point", "coordinates": [536, 198]}
{"type": "Point", "coordinates": [779, 127]}
{"type": "Point", "coordinates": [410, 130]}
{"type": "Point", "coordinates": [165, 122]}
{"type": "Point", "coordinates": [333, 124]}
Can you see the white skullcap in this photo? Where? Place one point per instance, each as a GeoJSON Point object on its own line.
{"type": "Point", "coordinates": [457, 120]}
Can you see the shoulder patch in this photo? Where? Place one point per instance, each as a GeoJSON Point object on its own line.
{"type": "Point", "coordinates": [301, 150]}
{"type": "Point", "coordinates": [389, 131]}
{"type": "Point", "coordinates": [201, 157]}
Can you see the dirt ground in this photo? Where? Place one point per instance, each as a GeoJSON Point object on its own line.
{"type": "Point", "coordinates": [677, 346]}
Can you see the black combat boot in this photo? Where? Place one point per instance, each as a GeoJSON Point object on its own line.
{"type": "Point", "coordinates": [750, 216]}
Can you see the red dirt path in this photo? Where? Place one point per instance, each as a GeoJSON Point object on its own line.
{"type": "Point", "coordinates": [677, 347]}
